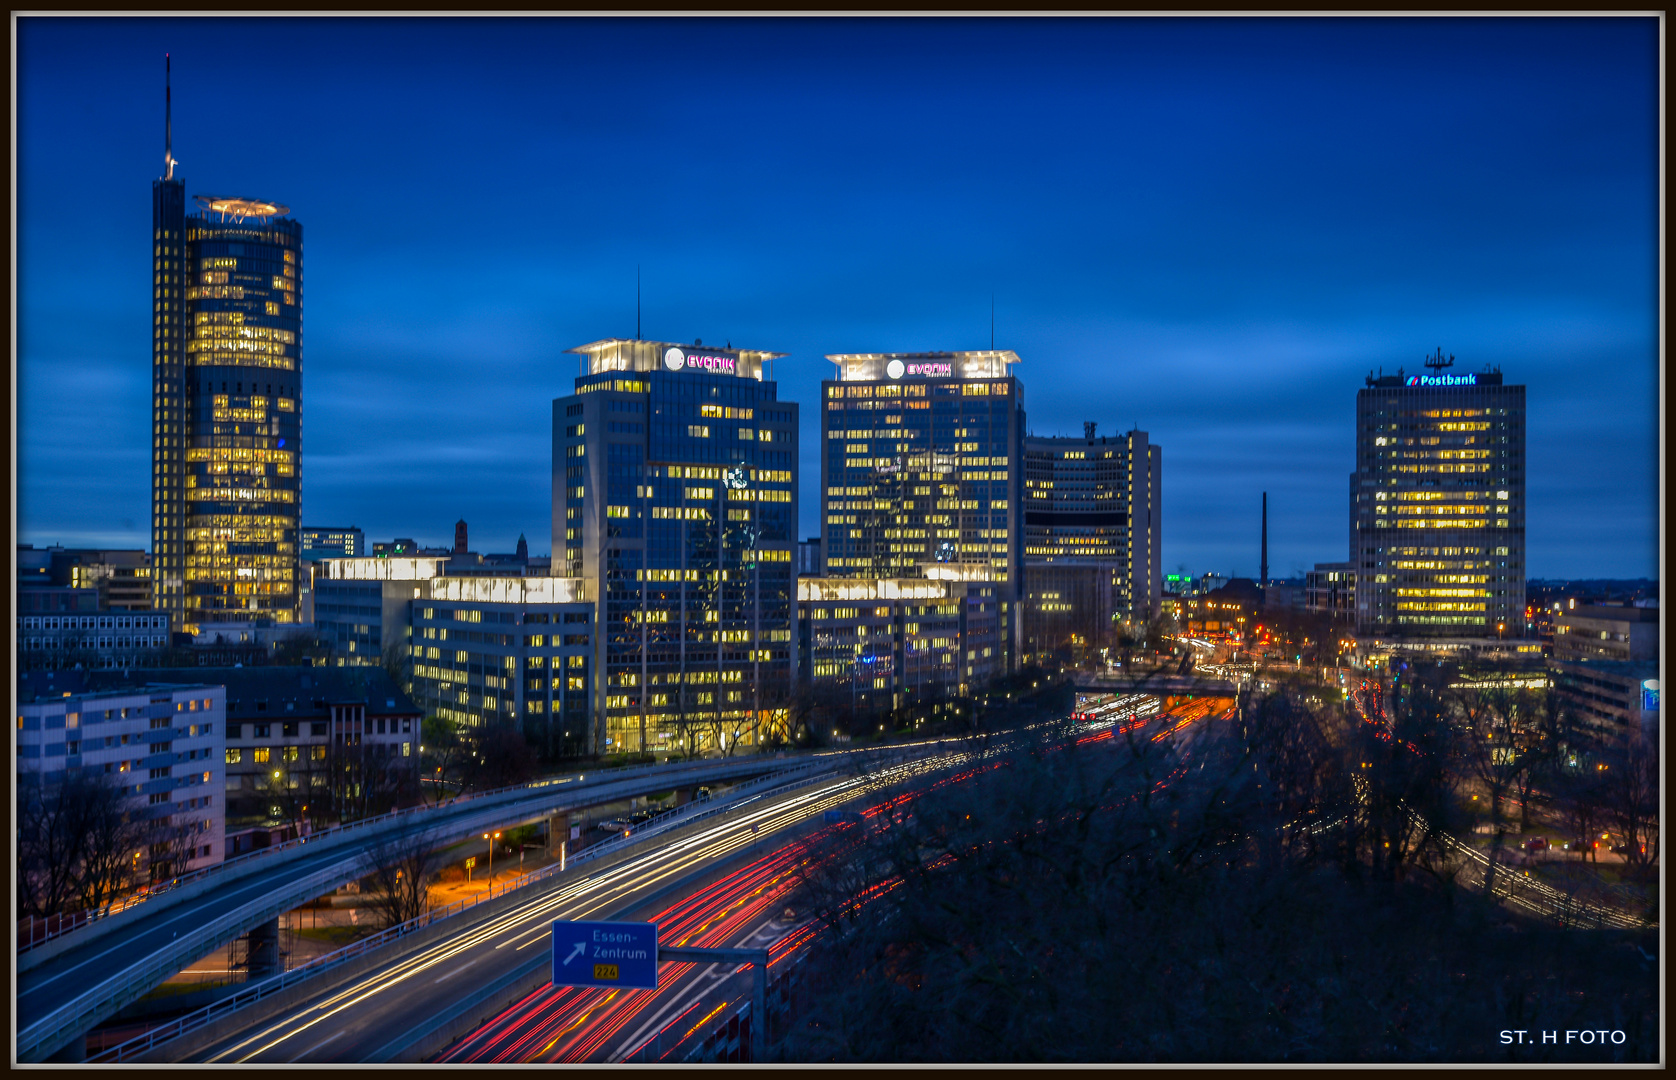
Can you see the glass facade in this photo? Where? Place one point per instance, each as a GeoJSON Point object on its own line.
{"type": "Point", "coordinates": [674, 500]}
{"type": "Point", "coordinates": [1091, 537]}
{"type": "Point", "coordinates": [483, 649]}
{"type": "Point", "coordinates": [868, 646]}
{"type": "Point", "coordinates": [525, 663]}
{"type": "Point", "coordinates": [1438, 506]}
{"type": "Point", "coordinates": [227, 409]}
{"type": "Point", "coordinates": [921, 458]}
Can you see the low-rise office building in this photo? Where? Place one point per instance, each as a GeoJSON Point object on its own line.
{"type": "Point", "coordinates": [1285, 595]}
{"type": "Point", "coordinates": [160, 740]}
{"type": "Point", "coordinates": [1604, 632]}
{"type": "Point", "coordinates": [1330, 589]}
{"type": "Point", "coordinates": [870, 646]}
{"type": "Point", "coordinates": [325, 542]}
{"type": "Point", "coordinates": [481, 649]}
{"type": "Point", "coordinates": [1614, 702]}
{"type": "Point", "coordinates": [515, 651]}
{"type": "Point", "coordinates": [120, 579]}
{"type": "Point", "coordinates": [363, 607]}
{"type": "Point", "coordinates": [90, 638]}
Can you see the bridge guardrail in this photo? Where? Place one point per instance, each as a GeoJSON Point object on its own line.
{"type": "Point", "coordinates": [270, 986]}
{"type": "Point", "coordinates": [77, 1013]}
{"type": "Point", "coordinates": [328, 837]}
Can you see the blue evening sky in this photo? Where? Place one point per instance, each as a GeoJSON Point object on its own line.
{"type": "Point", "coordinates": [1212, 228]}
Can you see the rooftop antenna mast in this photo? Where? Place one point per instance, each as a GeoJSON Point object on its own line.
{"type": "Point", "coordinates": [1437, 362]}
{"type": "Point", "coordinates": [991, 322]}
{"type": "Point", "coordinates": [168, 124]}
{"type": "Point", "coordinates": [637, 301]}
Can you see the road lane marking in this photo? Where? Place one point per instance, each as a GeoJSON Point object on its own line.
{"type": "Point", "coordinates": [318, 1045]}
{"type": "Point", "coordinates": [633, 876]}
{"type": "Point", "coordinates": [456, 971]}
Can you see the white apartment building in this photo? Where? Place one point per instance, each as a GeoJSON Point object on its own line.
{"type": "Point", "coordinates": [165, 744]}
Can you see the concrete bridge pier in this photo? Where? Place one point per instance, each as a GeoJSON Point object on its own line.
{"type": "Point", "coordinates": [262, 944]}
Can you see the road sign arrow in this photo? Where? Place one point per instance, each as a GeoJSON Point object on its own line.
{"type": "Point", "coordinates": [581, 947]}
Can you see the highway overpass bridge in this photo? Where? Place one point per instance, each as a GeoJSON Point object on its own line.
{"type": "Point", "coordinates": [69, 984]}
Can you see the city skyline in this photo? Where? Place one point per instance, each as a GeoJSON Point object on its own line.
{"type": "Point", "coordinates": [1229, 299]}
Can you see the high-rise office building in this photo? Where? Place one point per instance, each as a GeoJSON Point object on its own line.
{"type": "Point", "coordinates": [1092, 532]}
{"type": "Point", "coordinates": [1438, 510]}
{"type": "Point", "coordinates": [674, 501]}
{"type": "Point", "coordinates": [921, 458]}
{"type": "Point", "coordinates": [226, 406]}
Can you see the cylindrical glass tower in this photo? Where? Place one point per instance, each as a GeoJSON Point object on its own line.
{"type": "Point", "coordinates": [230, 503]}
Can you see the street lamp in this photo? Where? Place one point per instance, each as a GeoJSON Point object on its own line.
{"type": "Point", "coordinates": [491, 853]}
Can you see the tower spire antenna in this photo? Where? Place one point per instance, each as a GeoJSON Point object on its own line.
{"type": "Point", "coordinates": [637, 301]}
{"type": "Point", "coordinates": [168, 123]}
{"type": "Point", "coordinates": [991, 322]}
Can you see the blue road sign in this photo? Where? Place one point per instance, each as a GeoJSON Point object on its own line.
{"type": "Point", "coordinates": [623, 955]}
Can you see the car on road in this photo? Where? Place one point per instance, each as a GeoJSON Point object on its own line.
{"type": "Point", "coordinates": [1620, 849]}
{"type": "Point", "coordinates": [641, 817]}
{"type": "Point", "coordinates": [1577, 845]}
{"type": "Point", "coordinates": [1536, 844]}
{"type": "Point", "coordinates": [701, 795]}
{"type": "Point", "coordinates": [615, 824]}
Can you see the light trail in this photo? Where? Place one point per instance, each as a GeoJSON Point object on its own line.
{"type": "Point", "coordinates": [579, 899]}
{"type": "Point", "coordinates": [562, 1024]}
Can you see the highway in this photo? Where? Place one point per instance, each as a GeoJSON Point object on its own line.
{"type": "Point", "coordinates": [742, 907]}
{"type": "Point", "coordinates": [69, 985]}
{"type": "Point", "coordinates": [383, 1014]}
{"type": "Point", "coordinates": [481, 961]}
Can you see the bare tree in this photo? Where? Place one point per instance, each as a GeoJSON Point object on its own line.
{"type": "Point", "coordinates": [83, 842]}
{"type": "Point", "coordinates": [173, 844]}
{"type": "Point", "coordinates": [1542, 740]}
{"type": "Point", "coordinates": [302, 648]}
{"type": "Point", "coordinates": [1488, 722]}
{"type": "Point", "coordinates": [1580, 789]}
{"type": "Point", "coordinates": [401, 870]}
{"type": "Point", "coordinates": [443, 756]}
{"type": "Point", "coordinates": [51, 836]}
{"type": "Point", "coordinates": [1116, 901]}
{"type": "Point", "coordinates": [783, 717]}
{"type": "Point", "coordinates": [725, 731]}
{"type": "Point", "coordinates": [1404, 760]}
{"type": "Point", "coordinates": [398, 664]}
{"type": "Point", "coordinates": [689, 721]}
{"type": "Point", "coordinates": [499, 757]}
{"type": "Point", "coordinates": [116, 834]}
{"type": "Point", "coordinates": [1632, 805]}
